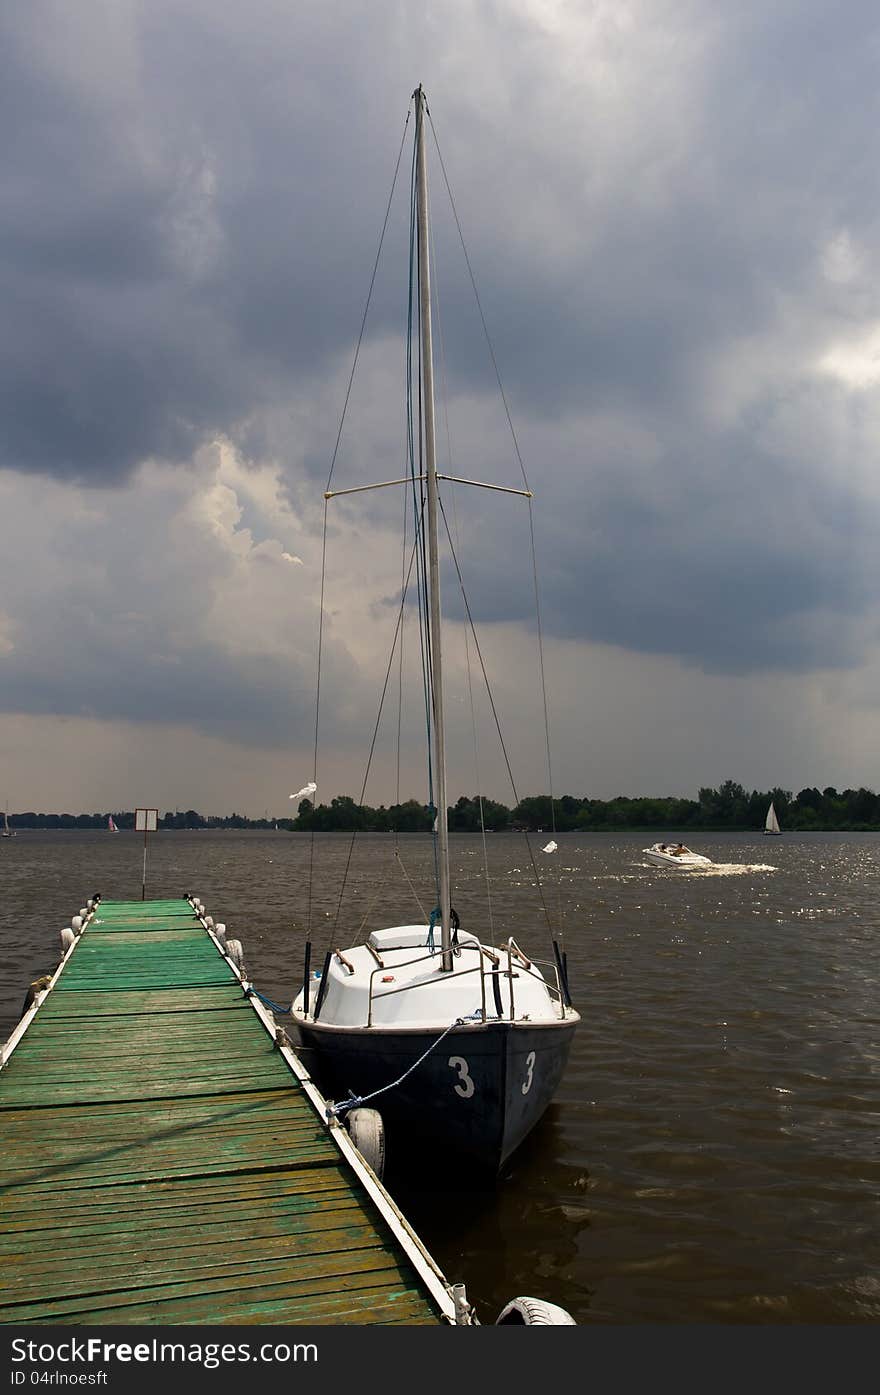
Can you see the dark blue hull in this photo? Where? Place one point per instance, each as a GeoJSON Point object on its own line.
{"type": "Point", "coordinates": [475, 1097]}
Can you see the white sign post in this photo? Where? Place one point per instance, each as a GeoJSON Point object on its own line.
{"type": "Point", "coordinates": [148, 820]}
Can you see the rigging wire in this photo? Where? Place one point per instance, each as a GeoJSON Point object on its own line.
{"type": "Point", "coordinates": [445, 395]}
{"type": "Point", "coordinates": [317, 714]}
{"type": "Point", "coordinates": [419, 538]}
{"type": "Point", "coordinates": [329, 479]}
{"type": "Point", "coordinates": [397, 630]}
{"type": "Point", "coordinates": [538, 882]}
{"type": "Point", "coordinates": [403, 589]}
{"type": "Point", "coordinates": [522, 467]}
{"type": "Point", "coordinates": [480, 307]}
{"type": "Point", "coordinates": [415, 432]}
{"type": "Point", "coordinates": [369, 298]}
{"type": "Point", "coordinates": [540, 637]}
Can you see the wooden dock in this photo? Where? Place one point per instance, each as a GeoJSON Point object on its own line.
{"type": "Point", "coordinates": [166, 1160]}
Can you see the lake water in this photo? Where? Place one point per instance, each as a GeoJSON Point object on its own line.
{"type": "Point", "coordinates": [712, 1154]}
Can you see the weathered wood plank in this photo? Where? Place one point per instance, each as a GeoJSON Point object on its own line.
{"type": "Point", "coordinates": [163, 1164]}
{"type": "Point", "coordinates": [385, 1306]}
{"type": "Point", "coordinates": [211, 1223]}
{"type": "Point", "coordinates": [175, 1303]}
{"type": "Point", "coordinates": [126, 1121]}
{"type": "Point", "coordinates": [27, 1095]}
{"type": "Point", "coordinates": [307, 1150]}
{"type": "Point", "coordinates": [186, 1245]}
{"type": "Point", "coordinates": [147, 1001]}
{"type": "Point", "coordinates": [141, 1202]}
{"type": "Point", "coordinates": [354, 1246]}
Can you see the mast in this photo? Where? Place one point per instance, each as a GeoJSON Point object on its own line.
{"type": "Point", "coordinates": [433, 550]}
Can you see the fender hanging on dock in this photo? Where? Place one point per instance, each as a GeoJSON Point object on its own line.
{"type": "Point", "coordinates": [534, 1312]}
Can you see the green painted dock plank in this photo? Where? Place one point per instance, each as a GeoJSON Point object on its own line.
{"type": "Point", "coordinates": [145, 1003]}
{"type": "Point", "coordinates": [309, 1297]}
{"type": "Point", "coordinates": [163, 1164]}
{"type": "Point", "coordinates": [172, 1201]}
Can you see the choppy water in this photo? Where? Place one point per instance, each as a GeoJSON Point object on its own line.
{"type": "Point", "coordinates": [712, 1154]}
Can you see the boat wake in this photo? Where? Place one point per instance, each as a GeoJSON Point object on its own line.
{"type": "Point", "coordinates": [735, 869]}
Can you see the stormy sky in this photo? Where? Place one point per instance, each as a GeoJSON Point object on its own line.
{"type": "Point", "coordinates": [671, 214]}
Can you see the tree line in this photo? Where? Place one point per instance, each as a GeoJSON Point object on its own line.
{"type": "Point", "coordinates": [729, 807]}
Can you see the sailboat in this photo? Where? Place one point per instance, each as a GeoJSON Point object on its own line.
{"type": "Point", "coordinates": [771, 824]}
{"type": "Point", "coordinates": [6, 831]}
{"type": "Point", "coordinates": [460, 1043]}
{"type": "Point", "coordinates": [111, 824]}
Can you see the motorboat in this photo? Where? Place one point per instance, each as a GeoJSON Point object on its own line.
{"type": "Point", "coordinates": [676, 855]}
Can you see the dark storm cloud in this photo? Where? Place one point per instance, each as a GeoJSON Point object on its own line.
{"type": "Point", "coordinates": [168, 257]}
{"type": "Point", "coordinates": [732, 561]}
{"type": "Point", "coordinates": [203, 693]}
{"type": "Point", "coordinates": [190, 215]}
{"type": "Point", "coordinates": [116, 347]}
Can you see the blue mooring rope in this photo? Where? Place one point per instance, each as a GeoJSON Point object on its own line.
{"type": "Point", "coordinates": [285, 1011]}
{"type": "Point", "coordinates": [335, 1111]}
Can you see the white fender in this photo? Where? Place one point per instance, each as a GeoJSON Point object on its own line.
{"type": "Point", "coordinates": [220, 932]}
{"type": "Point", "coordinates": [209, 922]}
{"type": "Point", "coordinates": [368, 1135]}
{"type": "Point", "coordinates": [534, 1312]}
{"type": "Point", "coordinates": [67, 939]}
{"type": "Point", "coordinates": [236, 953]}
{"type": "Point", "coordinates": [76, 924]}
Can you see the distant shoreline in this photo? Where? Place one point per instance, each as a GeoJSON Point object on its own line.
{"type": "Point", "coordinates": [288, 827]}
{"type": "Point", "coordinates": [728, 809]}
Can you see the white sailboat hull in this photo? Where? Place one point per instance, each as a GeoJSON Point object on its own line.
{"type": "Point", "coordinates": [473, 1056]}
{"type": "Point", "coordinates": [474, 1098]}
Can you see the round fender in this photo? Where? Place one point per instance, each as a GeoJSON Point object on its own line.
{"type": "Point", "coordinates": [67, 939]}
{"type": "Point", "coordinates": [368, 1135]}
{"type": "Point", "coordinates": [534, 1312]}
{"type": "Point", "coordinates": [220, 932]}
{"type": "Point", "coordinates": [236, 953]}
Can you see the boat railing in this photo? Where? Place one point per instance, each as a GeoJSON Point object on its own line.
{"type": "Point", "coordinates": [529, 965]}
{"type": "Point", "coordinates": [532, 967]}
{"type": "Point", "coordinates": [428, 983]}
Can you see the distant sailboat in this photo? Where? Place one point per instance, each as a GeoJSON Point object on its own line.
{"type": "Point", "coordinates": [772, 823]}
{"type": "Point", "coordinates": [6, 831]}
{"type": "Point", "coordinates": [111, 825]}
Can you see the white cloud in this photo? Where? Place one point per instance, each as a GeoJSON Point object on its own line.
{"type": "Point", "coordinates": [841, 262]}
{"type": "Point", "coordinates": [855, 361]}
